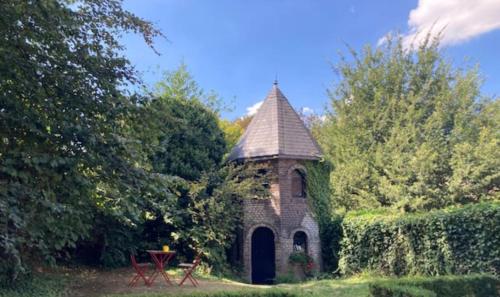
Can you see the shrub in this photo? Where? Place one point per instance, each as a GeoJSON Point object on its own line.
{"type": "Point", "coordinates": [36, 285]}
{"type": "Point", "coordinates": [453, 286]}
{"type": "Point", "coordinates": [261, 293]}
{"type": "Point", "coordinates": [288, 278]}
{"type": "Point", "coordinates": [451, 241]}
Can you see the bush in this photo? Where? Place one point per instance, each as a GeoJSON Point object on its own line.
{"type": "Point", "coordinates": [453, 286]}
{"type": "Point", "coordinates": [288, 278]}
{"type": "Point", "coordinates": [392, 290]}
{"type": "Point", "coordinates": [261, 293]}
{"type": "Point", "coordinates": [451, 241]}
{"type": "Point", "coordinates": [36, 285]}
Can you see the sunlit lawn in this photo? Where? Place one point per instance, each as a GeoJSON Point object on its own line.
{"type": "Point", "coordinates": [355, 286]}
{"type": "Point", "coordinates": [93, 282]}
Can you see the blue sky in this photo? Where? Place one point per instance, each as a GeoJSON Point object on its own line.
{"type": "Point", "coordinates": [236, 48]}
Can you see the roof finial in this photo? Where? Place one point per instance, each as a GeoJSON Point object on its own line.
{"type": "Point", "coordinates": [276, 80]}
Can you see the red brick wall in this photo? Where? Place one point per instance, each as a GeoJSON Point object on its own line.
{"type": "Point", "coordinates": [284, 215]}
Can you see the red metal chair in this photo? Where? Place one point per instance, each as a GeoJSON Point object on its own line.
{"type": "Point", "coordinates": [140, 269]}
{"type": "Point", "coordinates": [189, 269]}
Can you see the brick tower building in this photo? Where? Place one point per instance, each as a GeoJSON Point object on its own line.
{"type": "Point", "coordinates": [274, 228]}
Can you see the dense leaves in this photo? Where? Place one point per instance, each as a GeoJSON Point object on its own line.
{"type": "Point", "coordinates": [91, 170]}
{"type": "Point", "coordinates": [189, 138]}
{"type": "Point", "coordinates": [452, 241]}
{"type": "Point", "coordinates": [329, 223]}
{"type": "Point", "coordinates": [62, 118]}
{"type": "Point", "coordinates": [447, 286]}
{"type": "Point", "coordinates": [193, 199]}
{"type": "Point", "coordinates": [409, 131]}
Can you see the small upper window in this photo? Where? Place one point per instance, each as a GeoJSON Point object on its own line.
{"type": "Point", "coordinates": [298, 184]}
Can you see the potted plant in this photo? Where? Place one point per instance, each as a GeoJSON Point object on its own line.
{"type": "Point", "coordinates": [302, 264]}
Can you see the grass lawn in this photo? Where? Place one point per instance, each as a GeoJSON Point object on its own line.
{"type": "Point", "coordinates": [113, 283]}
{"type": "Point", "coordinates": [355, 287]}
{"type": "Point", "coordinates": [93, 283]}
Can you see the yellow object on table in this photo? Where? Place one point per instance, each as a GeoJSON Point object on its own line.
{"type": "Point", "coordinates": [166, 248]}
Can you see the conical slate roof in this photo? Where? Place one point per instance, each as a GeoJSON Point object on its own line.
{"type": "Point", "coordinates": [275, 131]}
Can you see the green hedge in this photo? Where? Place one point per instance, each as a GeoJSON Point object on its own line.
{"type": "Point", "coordinates": [445, 286]}
{"type": "Point", "coordinates": [451, 241]}
{"type": "Point", "coordinates": [260, 293]}
{"type": "Point", "coordinates": [36, 285]}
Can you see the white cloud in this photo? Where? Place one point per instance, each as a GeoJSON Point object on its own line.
{"type": "Point", "coordinates": [307, 110]}
{"type": "Point", "coordinates": [383, 39]}
{"type": "Point", "coordinates": [253, 109]}
{"type": "Point", "coordinates": [459, 20]}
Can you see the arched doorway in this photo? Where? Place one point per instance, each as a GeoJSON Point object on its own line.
{"type": "Point", "coordinates": [263, 256]}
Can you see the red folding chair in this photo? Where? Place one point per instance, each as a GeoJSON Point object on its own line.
{"type": "Point", "coordinates": [140, 269]}
{"type": "Point", "coordinates": [188, 271]}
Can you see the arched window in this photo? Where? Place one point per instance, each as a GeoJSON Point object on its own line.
{"type": "Point", "coordinates": [300, 242]}
{"type": "Point", "coordinates": [298, 184]}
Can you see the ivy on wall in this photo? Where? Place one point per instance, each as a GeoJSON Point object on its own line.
{"type": "Point", "coordinates": [319, 197]}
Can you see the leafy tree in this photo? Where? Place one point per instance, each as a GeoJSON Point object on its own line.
{"type": "Point", "coordinates": [63, 123]}
{"type": "Point", "coordinates": [193, 201]}
{"type": "Point", "coordinates": [244, 121]}
{"type": "Point", "coordinates": [189, 138]}
{"type": "Point", "coordinates": [232, 132]}
{"type": "Point", "coordinates": [476, 162]}
{"type": "Point", "coordinates": [402, 124]}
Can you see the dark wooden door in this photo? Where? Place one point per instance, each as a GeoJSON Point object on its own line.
{"type": "Point", "coordinates": [263, 256]}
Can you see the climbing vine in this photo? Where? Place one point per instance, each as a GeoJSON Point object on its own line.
{"type": "Point", "coordinates": [330, 230]}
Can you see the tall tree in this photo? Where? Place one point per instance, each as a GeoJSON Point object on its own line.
{"type": "Point", "coordinates": [398, 125]}
{"type": "Point", "coordinates": [63, 118]}
{"type": "Point", "coordinates": [189, 138]}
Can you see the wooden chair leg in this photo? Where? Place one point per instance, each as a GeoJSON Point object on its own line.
{"type": "Point", "coordinates": [133, 280]}
{"type": "Point", "coordinates": [139, 274]}
{"type": "Point", "coordinates": [188, 275]}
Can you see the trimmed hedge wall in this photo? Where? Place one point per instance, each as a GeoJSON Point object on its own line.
{"type": "Point", "coordinates": [451, 241]}
{"type": "Point", "coordinates": [261, 293]}
{"type": "Point", "coordinates": [446, 286]}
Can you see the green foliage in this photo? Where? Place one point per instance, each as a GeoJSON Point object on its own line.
{"type": "Point", "coordinates": [89, 169]}
{"type": "Point", "coordinates": [392, 290]}
{"type": "Point", "coordinates": [475, 164]}
{"type": "Point", "coordinates": [288, 278]}
{"type": "Point", "coordinates": [452, 286]}
{"type": "Point", "coordinates": [247, 293]}
{"type": "Point", "coordinates": [451, 241]}
{"type": "Point", "coordinates": [64, 142]}
{"type": "Point", "coordinates": [330, 230]}
{"type": "Point", "coordinates": [409, 131]}
{"type": "Point", "coordinates": [38, 285]}
{"type": "Point", "coordinates": [300, 258]}
{"type": "Point", "coordinates": [232, 132]}
{"type": "Point", "coordinates": [189, 140]}
{"type": "Point", "coordinates": [193, 202]}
